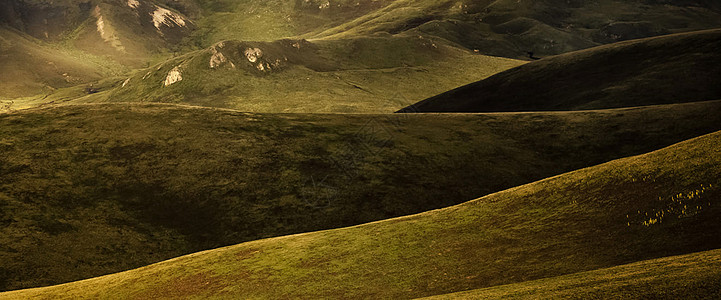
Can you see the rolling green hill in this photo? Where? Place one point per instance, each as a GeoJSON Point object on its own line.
{"type": "Point", "coordinates": [140, 33]}
{"type": "Point", "coordinates": [93, 189]}
{"type": "Point", "coordinates": [361, 75]}
{"type": "Point", "coordinates": [505, 28]}
{"type": "Point", "coordinates": [668, 69]}
{"type": "Point", "coordinates": [663, 203]}
{"type": "Point", "coordinates": [696, 275]}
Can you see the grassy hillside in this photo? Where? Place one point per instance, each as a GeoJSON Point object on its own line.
{"type": "Point", "coordinates": [510, 28]}
{"type": "Point", "coordinates": [362, 75]}
{"type": "Point", "coordinates": [506, 28]}
{"type": "Point", "coordinates": [696, 275]}
{"type": "Point", "coordinates": [89, 190]}
{"type": "Point", "coordinates": [669, 69]}
{"type": "Point", "coordinates": [130, 32]}
{"type": "Point", "coordinates": [659, 204]}
{"type": "Point", "coordinates": [439, 42]}
{"type": "Point", "coordinates": [48, 45]}
{"type": "Point", "coordinates": [31, 66]}
{"type": "Point", "coordinates": [275, 19]}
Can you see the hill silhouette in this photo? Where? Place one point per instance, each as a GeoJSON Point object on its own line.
{"type": "Point", "coordinates": [661, 70]}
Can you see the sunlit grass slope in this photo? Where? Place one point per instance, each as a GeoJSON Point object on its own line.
{"type": "Point", "coordinates": [50, 45]}
{"type": "Point", "coordinates": [94, 189]}
{"type": "Point", "coordinates": [360, 75]}
{"type": "Point", "coordinates": [276, 19]}
{"type": "Point", "coordinates": [690, 276]}
{"type": "Point", "coordinates": [30, 66]}
{"type": "Point", "coordinates": [667, 202]}
{"type": "Point", "coordinates": [667, 69]}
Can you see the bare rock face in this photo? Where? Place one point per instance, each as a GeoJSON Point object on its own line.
{"type": "Point", "coordinates": [175, 75]}
{"type": "Point", "coordinates": [263, 57]}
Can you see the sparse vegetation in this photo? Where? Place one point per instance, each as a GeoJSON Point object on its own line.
{"type": "Point", "coordinates": [93, 189]}
{"type": "Point", "coordinates": [135, 131]}
{"type": "Point", "coordinates": [362, 75]}
{"type": "Point", "coordinates": [558, 226]}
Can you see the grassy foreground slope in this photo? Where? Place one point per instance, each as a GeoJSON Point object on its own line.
{"type": "Point", "coordinates": [359, 75]}
{"type": "Point", "coordinates": [94, 189]}
{"type": "Point", "coordinates": [696, 276]}
{"type": "Point", "coordinates": [668, 69]}
{"type": "Point", "coordinates": [664, 203]}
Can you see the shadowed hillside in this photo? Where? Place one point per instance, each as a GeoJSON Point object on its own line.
{"type": "Point", "coordinates": [93, 189]}
{"type": "Point", "coordinates": [659, 204]}
{"type": "Point", "coordinates": [669, 69]}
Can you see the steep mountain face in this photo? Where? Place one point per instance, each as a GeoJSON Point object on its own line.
{"type": "Point", "coordinates": [129, 31]}
{"type": "Point", "coordinates": [668, 69]}
{"type": "Point", "coordinates": [55, 44]}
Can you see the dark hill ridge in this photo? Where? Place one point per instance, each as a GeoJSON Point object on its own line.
{"type": "Point", "coordinates": [664, 203]}
{"type": "Point", "coordinates": [93, 189]}
{"type": "Point", "coordinates": [668, 69]}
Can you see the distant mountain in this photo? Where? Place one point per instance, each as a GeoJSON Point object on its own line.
{"type": "Point", "coordinates": [508, 28]}
{"type": "Point", "coordinates": [135, 34]}
{"type": "Point", "coordinates": [128, 31]}
{"type": "Point", "coordinates": [668, 69]}
{"type": "Point", "coordinates": [48, 45]}
{"type": "Point", "coordinates": [31, 66]}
